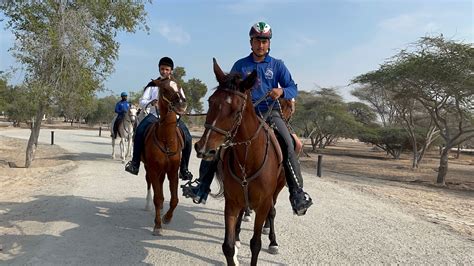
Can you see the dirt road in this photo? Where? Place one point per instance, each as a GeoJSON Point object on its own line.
{"type": "Point", "coordinates": [94, 214]}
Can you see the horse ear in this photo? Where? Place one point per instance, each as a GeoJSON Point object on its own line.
{"type": "Point", "coordinates": [249, 81]}
{"type": "Point", "coordinates": [218, 71]}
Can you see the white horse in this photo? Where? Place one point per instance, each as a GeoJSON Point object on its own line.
{"type": "Point", "coordinates": [124, 133]}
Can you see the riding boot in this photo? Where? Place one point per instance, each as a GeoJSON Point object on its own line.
{"type": "Point", "coordinates": [300, 200]}
{"type": "Point", "coordinates": [199, 189]}
{"type": "Point", "coordinates": [184, 173]}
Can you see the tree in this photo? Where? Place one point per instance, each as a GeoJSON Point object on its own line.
{"type": "Point", "coordinates": [104, 111]}
{"type": "Point", "coordinates": [322, 116]}
{"type": "Point", "coordinates": [392, 140]}
{"type": "Point", "coordinates": [362, 113]}
{"type": "Point", "coordinates": [194, 89]}
{"type": "Point", "coordinates": [439, 75]}
{"type": "Point", "coordinates": [379, 98]}
{"type": "Point", "coordinates": [67, 45]}
{"type": "Point", "coordinates": [403, 111]}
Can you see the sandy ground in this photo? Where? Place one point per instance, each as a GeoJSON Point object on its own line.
{"type": "Point", "coordinates": [77, 206]}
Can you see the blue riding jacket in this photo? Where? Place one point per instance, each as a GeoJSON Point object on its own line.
{"type": "Point", "coordinates": [122, 107]}
{"type": "Point", "coordinates": [271, 73]}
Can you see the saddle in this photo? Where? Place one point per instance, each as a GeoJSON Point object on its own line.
{"type": "Point", "coordinates": [272, 142]}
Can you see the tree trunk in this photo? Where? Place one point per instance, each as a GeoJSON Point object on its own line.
{"type": "Point", "coordinates": [33, 140]}
{"type": "Point", "coordinates": [458, 152]}
{"type": "Point", "coordinates": [443, 166]}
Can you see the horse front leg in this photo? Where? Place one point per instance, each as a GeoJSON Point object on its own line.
{"type": "Point", "coordinates": [129, 145]}
{"type": "Point", "coordinates": [237, 229]}
{"type": "Point", "coordinates": [173, 182]}
{"type": "Point", "coordinates": [148, 195]}
{"type": "Point", "coordinates": [228, 247]}
{"type": "Point", "coordinates": [113, 148]}
{"type": "Point", "coordinates": [122, 149]}
{"type": "Point", "coordinates": [157, 199]}
{"type": "Point", "coordinates": [261, 214]}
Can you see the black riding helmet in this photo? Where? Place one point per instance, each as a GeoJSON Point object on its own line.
{"type": "Point", "coordinates": [166, 61]}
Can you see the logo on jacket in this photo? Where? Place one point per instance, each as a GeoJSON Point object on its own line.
{"type": "Point", "coordinates": [268, 73]}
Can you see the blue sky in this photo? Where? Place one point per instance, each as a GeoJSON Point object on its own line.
{"type": "Point", "coordinates": [323, 43]}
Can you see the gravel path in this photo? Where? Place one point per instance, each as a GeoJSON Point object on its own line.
{"type": "Point", "coordinates": [94, 215]}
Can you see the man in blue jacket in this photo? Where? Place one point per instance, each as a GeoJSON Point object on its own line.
{"type": "Point", "coordinates": [121, 108]}
{"type": "Point", "coordinates": [274, 80]}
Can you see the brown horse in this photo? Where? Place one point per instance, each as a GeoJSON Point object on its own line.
{"type": "Point", "coordinates": [163, 145]}
{"type": "Point", "coordinates": [249, 168]}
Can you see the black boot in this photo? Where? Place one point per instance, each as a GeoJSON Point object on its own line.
{"type": "Point", "coordinates": [185, 175]}
{"type": "Point", "coordinates": [300, 200]}
{"type": "Point", "coordinates": [132, 167]}
{"type": "Point", "coordinates": [199, 189]}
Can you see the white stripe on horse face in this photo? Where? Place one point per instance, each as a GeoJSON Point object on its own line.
{"type": "Point", "coordinates": [207, 136]}
{"type": "Point", "coordinates": [174, 85]}
{"type": "Point", "coordinates": [182, 93]}
{"type": "Point", "coordinates": [228, 100]}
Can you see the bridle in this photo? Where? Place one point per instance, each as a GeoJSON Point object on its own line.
{"type": "Point", "coordinates": [171, 105]}
{"type": "Point", "coordinates": [230, 134]}
{"type": "Point", "coordinates": [244, 180]}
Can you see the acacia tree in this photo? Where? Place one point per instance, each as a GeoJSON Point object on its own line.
{"type": "Point", "coordinates": [379, 98]}
{"type": "Point", "coordinates": [439, 75]}
{"type": "Point", "coordinates": [323, 117]}
{"type": "Point", "coordinates": [66, 45]}
{"type": "Point", "coordinates": [405, 111]}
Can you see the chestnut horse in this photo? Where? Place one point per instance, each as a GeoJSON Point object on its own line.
{"type": "Point", "coordinates": [163, 145]}
{"type": "Point", "coordinates": [250, 161]}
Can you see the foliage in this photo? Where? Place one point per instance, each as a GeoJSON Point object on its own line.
{"type": "Point", "coordinates": [437, 74]}
{"type": "Point", "coordinates": [393, 140]}
{"type": "Point", "coordinates": [362, 113]}
{"type": "Point", "coordinates": [104, 111]}
{"type": "Point", "coordinates": [67, 46]}
{"type": "Point", "coordinates": [322, 116]}
{"type": "Point", "coordinates": [194, 89]}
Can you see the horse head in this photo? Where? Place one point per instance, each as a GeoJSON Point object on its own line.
{"type": "Point", "coordinates": [226, 107]}
{"type": "Point", "coordinates": [132, 113]}
{"type": "Point", "coordinates": [171, 96]}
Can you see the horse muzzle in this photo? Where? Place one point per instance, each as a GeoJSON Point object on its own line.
{"type": "Point", "coordinates": [205, 154]}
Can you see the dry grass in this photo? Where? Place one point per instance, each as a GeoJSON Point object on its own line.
{"type": "Point", "coordinates": [360, 167]}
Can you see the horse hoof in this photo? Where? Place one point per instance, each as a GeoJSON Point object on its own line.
{"type": "Point", "coordinates": [247, 218]}
{"type": "Point", "coordinates": [158, 232]}
{"type": "Point", "coordinates": [237, 244]}
{"type": "Point", "coordinates": [165, 221]}
{"type": "Point", "coordinates": [266, 231]}
{"type": "Point", "coordinates": [273, 250]}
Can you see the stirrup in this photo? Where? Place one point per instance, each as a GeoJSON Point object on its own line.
{"type": "Point", "coordinates": [189, 184]}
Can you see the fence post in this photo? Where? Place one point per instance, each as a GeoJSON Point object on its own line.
{"type": "Point", "coordinates": [320, 162]}
{"type": "Point", "coordinates": [52, 137]}
{"type": "Point", "coordinates": [100, 131]}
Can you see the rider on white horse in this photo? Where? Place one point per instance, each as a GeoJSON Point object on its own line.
{"type": "Point", "coordinates": [121, 108]}
{"type": "Point", "coordinates": [149, 101]}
